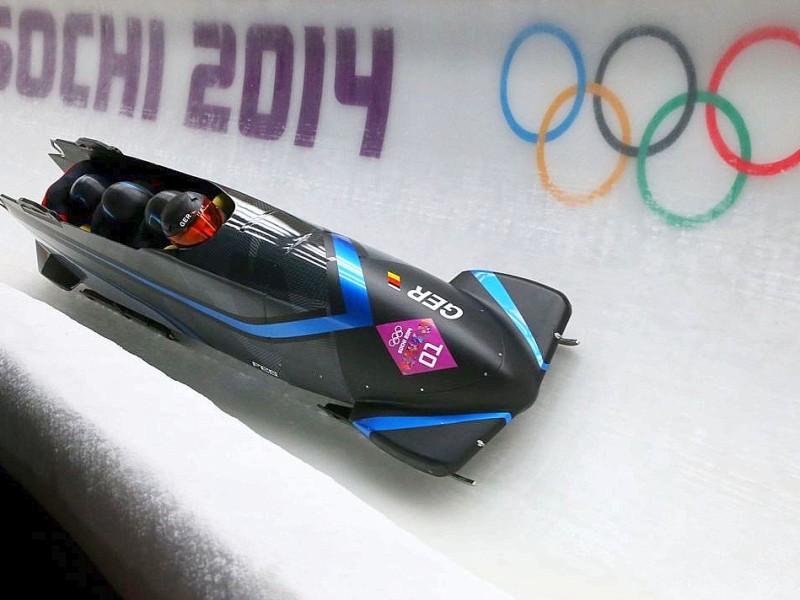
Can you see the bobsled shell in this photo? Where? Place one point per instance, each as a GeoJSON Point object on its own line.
{"type": "Point", "coordinates": [426, 369]}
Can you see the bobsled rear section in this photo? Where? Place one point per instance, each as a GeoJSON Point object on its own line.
{"type": "Point", "coordinates": [58, 269]}
{"type": "Point", "coordinates": [55, 267]}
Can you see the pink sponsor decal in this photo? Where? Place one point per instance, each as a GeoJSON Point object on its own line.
{"type": "Point", "coordinates": [416, 346]}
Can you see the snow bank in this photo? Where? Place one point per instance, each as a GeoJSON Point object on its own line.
{"type": "Point", "coordinates": [175, 499]}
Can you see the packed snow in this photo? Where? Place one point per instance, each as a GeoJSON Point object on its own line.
{"type": "Point", "coordinates": [186, 501]}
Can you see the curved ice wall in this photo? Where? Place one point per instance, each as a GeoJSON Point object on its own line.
{"type": "Point", "coordinates": [640, 156]}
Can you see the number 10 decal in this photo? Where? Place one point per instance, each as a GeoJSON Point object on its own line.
{"type": "Point", "coordinates": [428, 359]}
{"type": "Point", "coordinates": [416, 346]}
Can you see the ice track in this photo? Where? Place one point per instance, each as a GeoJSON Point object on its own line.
{"type": "Point", "coordinates": [662, 459]}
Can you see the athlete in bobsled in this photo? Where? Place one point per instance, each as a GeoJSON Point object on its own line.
{"type": "Point", "coordinates": [131, 213]}
{"type": "Point", "coordinates": [428, 370]}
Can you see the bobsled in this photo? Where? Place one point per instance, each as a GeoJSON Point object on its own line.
{"type": "Point", "coordinates": [428, 370]}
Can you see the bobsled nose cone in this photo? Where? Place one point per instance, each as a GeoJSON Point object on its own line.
{"type": "Point", "coordinates": [533, 313]}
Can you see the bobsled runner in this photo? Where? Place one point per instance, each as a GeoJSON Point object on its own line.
{"type": "Point", "coordinates": [428, 370]}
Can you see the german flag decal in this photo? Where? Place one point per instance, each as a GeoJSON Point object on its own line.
{"type": "Point", "coordinates": [393, 279]}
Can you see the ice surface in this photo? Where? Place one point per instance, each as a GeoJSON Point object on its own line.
{"type": "Point", "coordinates": [662, 458]}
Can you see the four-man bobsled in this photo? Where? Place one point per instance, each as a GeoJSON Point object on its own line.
{"type": "Point", "coordinates": [428, 370]}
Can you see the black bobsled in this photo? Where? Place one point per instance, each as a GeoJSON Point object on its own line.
{"type": "Point", "coordinates": [428, 370]}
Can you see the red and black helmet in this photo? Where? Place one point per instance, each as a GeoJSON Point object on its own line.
{"type": "Point", "coordinates": [190, 218]}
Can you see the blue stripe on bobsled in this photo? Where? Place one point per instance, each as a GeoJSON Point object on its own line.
{"type": "Point", "coordinates": [351, 281]}
{"type": "Point", "coordinates": [370, 424]}
{"type": "Point", "coordinates": [354, 292]}
{"type": "Point", "coordinates": [497, 290]}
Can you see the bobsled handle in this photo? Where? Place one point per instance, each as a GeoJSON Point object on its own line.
{"type": "Point", "coordinates": [27, 206]}
{"type": "Point", "coordinates": [7, 202]}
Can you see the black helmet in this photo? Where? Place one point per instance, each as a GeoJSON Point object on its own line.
{"type": "Point", "coordinates": [124, 201]}
{"type": "Point", "coordinates": [121, 210]}
{"type": "Point", "coordinates": [87, 191]}
{"type": "Point", "coordinates": [155, 206]}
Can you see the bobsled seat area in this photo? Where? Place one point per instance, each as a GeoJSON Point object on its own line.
{"type": "Point", "coordinates": [109, 195]}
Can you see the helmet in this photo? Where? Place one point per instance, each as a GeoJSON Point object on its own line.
{"type": "Point", "coordinates": [189, 218]}
{"type": "Point", "coordinates": [86, 192]}
{"type": "Point", "coordinates": [121, 209]}
{"type": "Point", "coordinates": [155, 206]}
{"type": "Point", "coordinates": [124, 202]}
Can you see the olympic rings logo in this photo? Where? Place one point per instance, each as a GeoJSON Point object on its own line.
{"type": "Point", "coordinates": [397, 335]}
{"type": "Point", "coordinates": [685, 102]}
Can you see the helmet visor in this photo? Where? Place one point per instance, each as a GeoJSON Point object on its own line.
{"type": "Point", "coordinates": [200, 226]}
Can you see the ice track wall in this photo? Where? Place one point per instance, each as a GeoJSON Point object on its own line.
{"type": "Point", "coordinates": [640, 156]}
{"type": "Point", "coordinates": [176, 500]}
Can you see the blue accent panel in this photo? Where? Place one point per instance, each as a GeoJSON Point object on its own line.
{"type": "Point", "coordinates": [354, 291]}
{"type": "Point", "coordinates": [496, 290]}
{"type": "Point", "coordinates": [370, 424]}
{"type": "Point", "coordinates": [351, 280]}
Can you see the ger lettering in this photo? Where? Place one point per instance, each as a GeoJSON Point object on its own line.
{"type": "Point", "coordinates": [435, 302]}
